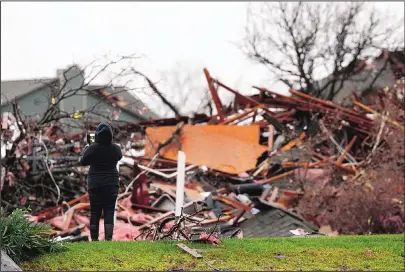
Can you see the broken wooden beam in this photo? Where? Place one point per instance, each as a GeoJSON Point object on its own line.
{"type": "Point", "coordinates": [214, 95]}
{"type": "Point", "coordinates": [345, 151]}
{"type": "Point", "coordinates": [190, 251]}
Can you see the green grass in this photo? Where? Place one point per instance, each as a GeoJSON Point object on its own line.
{"type": "Point", "coordinates": [377, 252]}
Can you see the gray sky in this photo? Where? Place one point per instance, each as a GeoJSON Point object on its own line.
{"type": "Point", "coordinates": [38, 38]}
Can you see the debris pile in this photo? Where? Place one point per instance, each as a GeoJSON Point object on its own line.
{"type": "Point", "coordinates": [256, 168]}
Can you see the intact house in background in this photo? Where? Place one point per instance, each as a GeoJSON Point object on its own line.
{"type": "Point", "coordinates": [386, 70]}
{"type": "Point", "coordinates": [34, 96]}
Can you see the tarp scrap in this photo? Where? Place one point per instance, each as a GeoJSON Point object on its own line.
{"type": "Point", "coordinates": [230, 149]}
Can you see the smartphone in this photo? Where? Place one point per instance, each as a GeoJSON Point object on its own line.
{"type": "Point", "coordinates": [91, 138]}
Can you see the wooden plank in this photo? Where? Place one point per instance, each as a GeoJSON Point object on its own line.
{"type": "Point", "coordinates": [190, 251]}
{"type": "Point", "coordinates": [364, 107]}
{"type": "Point", "coordinates": [265, 193]}
{"type": "Point", "coordinates": [214, 95]}
{"type": "Point", "coordinates": [345, 151]}
{"type": "Point", "coordinates": [273, 195]}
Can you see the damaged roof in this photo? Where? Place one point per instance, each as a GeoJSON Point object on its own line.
{"type": "Point", "coordinates": [124, 99]}
{"type": "Point", "coordinates": [273, 221]}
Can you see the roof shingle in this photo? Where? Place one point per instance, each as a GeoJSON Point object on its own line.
{"type": "Point", "coordinates": [16, 88]}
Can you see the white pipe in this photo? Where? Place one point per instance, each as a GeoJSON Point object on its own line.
{"type": "Point", "coordinates": [181, 165]}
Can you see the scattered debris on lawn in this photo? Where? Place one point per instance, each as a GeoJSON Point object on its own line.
{"type": "Point", "coordinates": [269, 165]}
{"type": "Point", "coordinates": [190, 251]}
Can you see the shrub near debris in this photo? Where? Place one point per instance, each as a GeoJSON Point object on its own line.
{"type": "Point", "coordinates": [372, 201]}
{"type": "Point", "coordinates": [22, 239]}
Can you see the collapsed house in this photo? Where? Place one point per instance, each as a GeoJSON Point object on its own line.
{"type": "Point", "coordinates": [245, 168]}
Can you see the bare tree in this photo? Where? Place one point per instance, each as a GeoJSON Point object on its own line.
{"type": "Point", "coordinates": [301, 43]}
{"type": "Point", "coordinates": [188, 88]}
{"type": "Point", "coordinates": [182, 91]}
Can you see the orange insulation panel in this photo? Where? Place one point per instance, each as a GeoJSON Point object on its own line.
{"type": "Point", "coordinates": [230, 149]}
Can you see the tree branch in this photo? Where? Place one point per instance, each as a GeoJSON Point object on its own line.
{"type": "Point", "coordinates": [299, 41]}
{"type": "Point", "coordinates": [157, 92]}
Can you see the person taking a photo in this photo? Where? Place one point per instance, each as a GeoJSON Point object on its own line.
{"type": "Point", "coordinates": [102, 180]}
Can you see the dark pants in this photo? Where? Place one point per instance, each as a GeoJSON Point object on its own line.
{"type": "Point", "coordinates": [102, 199]}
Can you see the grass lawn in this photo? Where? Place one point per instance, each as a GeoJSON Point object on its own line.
{"type": "Point", "coordinates": [377, 252]}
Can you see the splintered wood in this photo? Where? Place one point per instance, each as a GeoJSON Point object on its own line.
{"type": "Point", "coordinates": [190, 251]}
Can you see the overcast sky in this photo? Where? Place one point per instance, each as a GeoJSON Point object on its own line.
{"type": "Point", "coordinates": [38, 38]}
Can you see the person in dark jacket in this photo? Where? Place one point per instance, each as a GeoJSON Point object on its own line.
{"type": "Point", "coordinates": [102, 180]}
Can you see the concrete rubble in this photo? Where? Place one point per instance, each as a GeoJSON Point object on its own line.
{"type": "Point", "coordinates": [7, 264]}
{"type": "Point", "coordinates": [244, 168]}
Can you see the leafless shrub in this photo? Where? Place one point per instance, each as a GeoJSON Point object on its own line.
{"type": "Point", "coordinates": [370, 201]}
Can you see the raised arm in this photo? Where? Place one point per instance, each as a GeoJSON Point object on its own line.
{"type": "Point", "coordinates": [87, 155]}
